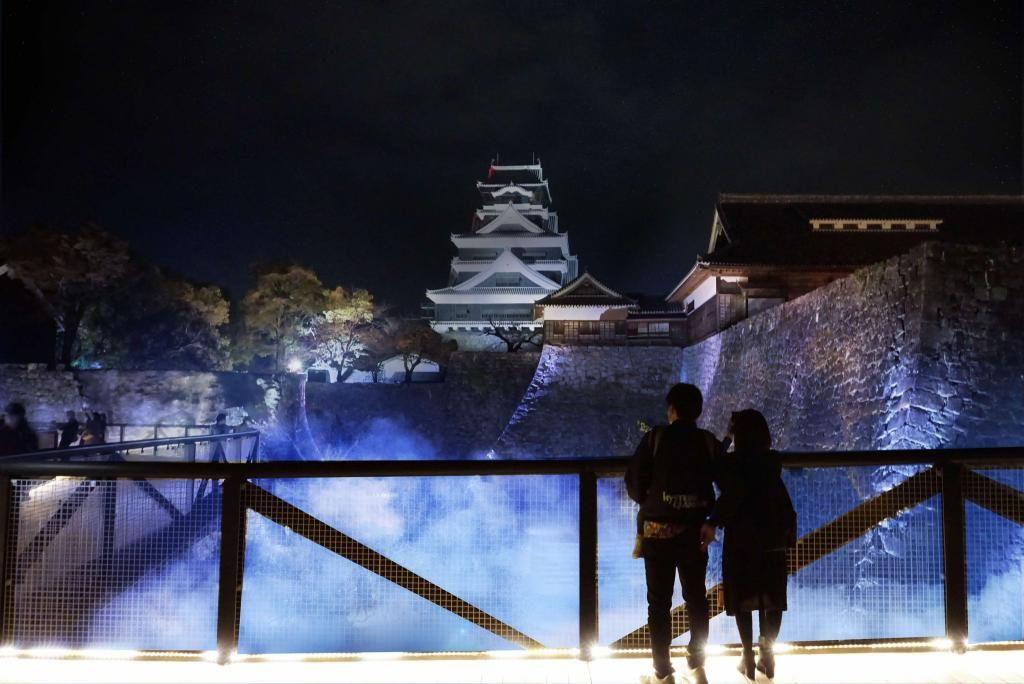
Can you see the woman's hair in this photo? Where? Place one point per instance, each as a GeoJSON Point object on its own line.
{"type": "Point", "coordinates": [750, 431]}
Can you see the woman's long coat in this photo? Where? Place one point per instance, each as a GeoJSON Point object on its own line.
{"type": "Point", "coordinates": [757, 515]}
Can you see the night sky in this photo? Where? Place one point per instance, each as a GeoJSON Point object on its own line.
{"type": "Point", "coordinates": [348, 135]}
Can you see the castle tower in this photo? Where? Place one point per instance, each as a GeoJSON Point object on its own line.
{"type": "Point", "coordinates": [512, 255]}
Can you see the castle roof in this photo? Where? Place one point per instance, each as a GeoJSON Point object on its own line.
{"type": "Point", "coordinates": [844, 232]}
{"type": "Point", "coordinates": [853, 229]}
{"type": "Point", "coordinates": [515, 173]}
{"type": "Point", "coordinates": [509, 216]}
{"type": "Point", "coordinates": [586, 290]}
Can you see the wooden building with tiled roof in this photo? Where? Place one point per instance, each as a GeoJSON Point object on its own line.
{"type": "Point", "coordinates": [767, 249]}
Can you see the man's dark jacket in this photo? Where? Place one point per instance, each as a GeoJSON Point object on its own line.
{"type": "Point", "coordinates": [671, 474]}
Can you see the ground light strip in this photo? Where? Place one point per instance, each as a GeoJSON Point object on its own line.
{"type": "Point", "coordinates": [597, 652]}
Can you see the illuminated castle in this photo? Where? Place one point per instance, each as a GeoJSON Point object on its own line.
{"type": "Point", "coordinates": [512, 255]}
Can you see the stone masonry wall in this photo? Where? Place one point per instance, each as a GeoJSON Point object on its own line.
{"type": "Point", "coordinates": [589, 401]}
{"type": "Point", "coordinates": [969, 377]}
{"type": "Point", "coordinates": [483, 391]}
{"type": "Point", "coordinates": [46, 394]}
{"type": "Point", "coordinates": [171, 397]}
{"type": "Point", "coordinates": [137, 397]}
{"type": "Point", "coordinates": [909, 353]}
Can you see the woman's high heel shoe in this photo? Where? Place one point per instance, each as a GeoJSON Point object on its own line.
{"type": "Point", "coordinates": [746, 666]}
{"type": "Point", "coordinates": [766, 661]}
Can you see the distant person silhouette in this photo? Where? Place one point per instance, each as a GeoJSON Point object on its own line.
{"type": "Point", "coordinates": [102, 426]}
{"type": "Point", "coordinates": [69, 430]}
{"type": "Point", "coordinates": [16, 436]}
{"type": "Point", "coordinates": [95, 428]}
{"type": "Point", "coordinates": [671, 476]}
{"type": "Point", "coordinates": [760, 524]}
{"type": "Point", "coordinates": [219, 427]}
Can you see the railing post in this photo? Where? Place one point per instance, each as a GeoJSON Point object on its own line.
{"type": "Point", "coordinates": [232, 558]}
{"type": "Point", "coordinates": [954, 554]}
{"type": "Point", "coordinates": [588, 563]}
{"type": "Point", "coordinates": [5, 535]}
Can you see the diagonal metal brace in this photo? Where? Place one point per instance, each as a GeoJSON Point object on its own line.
{"type": "Point", "coordinates": [994, 496]}
{"type": "Point", "coordinates": [53, 526]}
{"type": "Point", "coordinates": [305, 525]}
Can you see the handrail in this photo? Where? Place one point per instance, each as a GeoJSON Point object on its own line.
{"type": "Point", "coordinates": [27, 464]}
{"type": "Point", "coordinates": [235, 497]}
{"type": "Point", "coordinates": [57, 456]}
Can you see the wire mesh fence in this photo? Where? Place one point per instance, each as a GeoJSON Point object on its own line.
{"type": "Point", "coordinates": [472, 560]}
{"type": "Point", "coordinates": [112, 564]}
{"type": "Point", "coordinates": [435, 564]}
{"type": "Point", "coordinates": [994, 517]}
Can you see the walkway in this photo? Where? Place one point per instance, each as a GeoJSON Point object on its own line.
{"type": "Point", "coordinates": [834, 668]}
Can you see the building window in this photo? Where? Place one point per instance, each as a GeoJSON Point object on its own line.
{"type": "Point", "coordinates": [875, 225]}
{"type": "Point", "coordinates": [652, 328]}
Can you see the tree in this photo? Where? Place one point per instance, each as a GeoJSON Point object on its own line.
{"type": "Point", "coordinates": [514, 338]}
{"type": "Point", "coordinates": [416, 341]}
{"type": "Point", "coordinates": [157, 321]}
{"type": "Point", "coordinates": [68, 274]}
{"type": "Point", "coordinates": [376, 342]}
{"type": "Point", "coordinates": [277, 314]}
{"type": "Point", "coordinates": [333, 335]}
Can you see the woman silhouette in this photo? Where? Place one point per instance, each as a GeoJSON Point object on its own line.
{"type": "Point", "coordinates": [760, 524]}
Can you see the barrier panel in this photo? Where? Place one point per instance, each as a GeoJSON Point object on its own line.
{"type": "Point", "coordinates": [442, 556]}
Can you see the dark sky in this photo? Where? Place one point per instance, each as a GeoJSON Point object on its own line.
{"type": "Point", "coordinates": [348, 135]}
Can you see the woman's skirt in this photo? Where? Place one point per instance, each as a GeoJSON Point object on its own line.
{"type": "Point", "coordinates": [753, 579]}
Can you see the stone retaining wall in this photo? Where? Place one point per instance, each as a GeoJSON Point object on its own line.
{"type": "Point", "coordinates": [914, 352]}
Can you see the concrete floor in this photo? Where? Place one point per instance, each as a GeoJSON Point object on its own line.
{"type": "Point", "coordinates": [820, 668]}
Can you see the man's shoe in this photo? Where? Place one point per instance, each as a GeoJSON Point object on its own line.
{"type": "Point", "coordinates": [655, 679]}
{"type": "Point", "coordinates": [698, 676]}
{"type": "Point", "coordinates": [746, 666]}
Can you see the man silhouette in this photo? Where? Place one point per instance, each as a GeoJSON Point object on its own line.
{"type": "Point", "coordinates": [670, 476]}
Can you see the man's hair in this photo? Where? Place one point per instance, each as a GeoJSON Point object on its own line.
{"type": "Point", "coordinates": [15, 409]}
{"type": "Point", "coordinates": [686, 399]}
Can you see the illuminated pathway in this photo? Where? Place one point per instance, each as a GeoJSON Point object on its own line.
{"type": "Point", "coordinates": [891, 668]}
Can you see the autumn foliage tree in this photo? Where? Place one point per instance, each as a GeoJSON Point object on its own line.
{"type": "Point", "coordinates": [377, 344]}
{"type": "Point", "coordinates": [158, 321]}
{"type": "Point", "coordinates": [276, 315]}
{"type": "Point", "coordinates": [333, 335]}
{"type": "Point", "coordinates": [69, 274]}
{"type": "Point", "coordinates": [417, 342]}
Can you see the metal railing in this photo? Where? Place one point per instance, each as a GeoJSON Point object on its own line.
{"type": "Point", "coordinates": [228, 447]}
{"type": "Point", "coordinates": [49, 433]}
{"type": "Point", "coordinates": [912, 481]}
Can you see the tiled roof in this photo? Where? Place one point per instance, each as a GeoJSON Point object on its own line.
{"type": "Point", "coordinates": [586, 290]}
{"type": "Point", "coordinates": [492, 290]}
{"type": "Point", "coordinates": [777, 229]}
